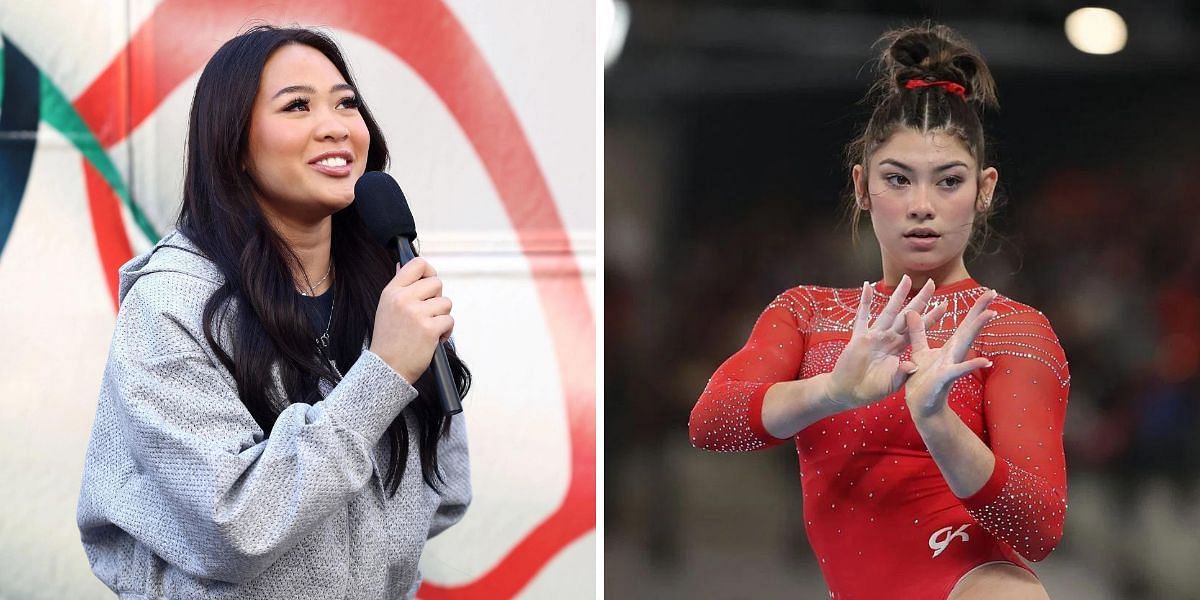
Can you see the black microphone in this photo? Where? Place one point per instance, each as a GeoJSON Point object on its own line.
{"type": "Point", "coordinates": [385, 211]}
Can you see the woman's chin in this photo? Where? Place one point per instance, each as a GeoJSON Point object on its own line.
{"type": "Point", "coordinates": [339, 197]}
{"type": "Point", "coordinates": [925, 261]}
{"type": "Point", "coordinates": [338, 203]}
{"type": "Point", "coordinates": [924, 266]}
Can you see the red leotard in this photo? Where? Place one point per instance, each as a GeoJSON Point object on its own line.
{"type": "Point", "coordinates": [880, 517]}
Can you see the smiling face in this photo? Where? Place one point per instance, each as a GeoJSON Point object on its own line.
{"type": "Point", "coordinates": [924, 191]}
{"type": "Point", "coordinates": [307, 143]}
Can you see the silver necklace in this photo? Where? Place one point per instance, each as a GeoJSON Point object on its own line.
{"type": "Point", "coordinates": [323, 341]}
{"type": "Point", "coordinates": [312, 289]}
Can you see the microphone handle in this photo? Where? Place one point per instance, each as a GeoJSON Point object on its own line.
{"type": "Point", "coordinates": [443, 378]}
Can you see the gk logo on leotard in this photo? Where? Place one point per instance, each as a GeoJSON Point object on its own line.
{"type": "Point", "coordinates": [937, 543]}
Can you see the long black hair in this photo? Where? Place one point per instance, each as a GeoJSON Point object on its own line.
{"type": "Point", "coordinates": [270, 327]}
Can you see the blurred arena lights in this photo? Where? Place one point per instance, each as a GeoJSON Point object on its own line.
{"type": "Point", "coordinates": [614, 24]}
{"type": "Point", "coordinates": [1096, 30]}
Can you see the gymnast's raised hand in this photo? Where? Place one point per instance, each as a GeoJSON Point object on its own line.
{"type": "Point", "coordinates": [926, 389]}
{"type": "Point", "coordinates": [869, 368]}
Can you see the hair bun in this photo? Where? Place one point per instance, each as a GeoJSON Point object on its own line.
{"type": "Point", "coordinates": [910, 50]}
{"type": "Point", "coordinates": [933, 53]}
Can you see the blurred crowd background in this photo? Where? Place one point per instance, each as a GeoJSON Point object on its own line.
{"type": "Point", "coordinates": [724, 129]}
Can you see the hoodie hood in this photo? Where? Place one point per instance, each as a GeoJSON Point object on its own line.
{"type": "Point", "coordinates": [175, 253]}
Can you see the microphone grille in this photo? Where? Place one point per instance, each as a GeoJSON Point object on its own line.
{"type": "Point", "coordinates": [383, 207]}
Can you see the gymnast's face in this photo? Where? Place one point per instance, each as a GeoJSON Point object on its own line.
{"type": "Point", "coordinates": [923, 191]}
{"type": "Point", "coordinates": [307, 142]}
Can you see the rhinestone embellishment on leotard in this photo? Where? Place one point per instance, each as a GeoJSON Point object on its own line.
{"type": "Point", "coordinates": [1021, 501]}
{"type": "Point", "coordinates": [847, 448]}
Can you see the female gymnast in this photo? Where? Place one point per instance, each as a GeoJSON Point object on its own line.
{"type": "Point", "coordinates": [930, 440]}
{"type": "Point", "coordinates": [265, 427]}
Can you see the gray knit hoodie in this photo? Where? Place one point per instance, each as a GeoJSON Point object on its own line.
{"type": "Point", "coordinates": [182, 496]}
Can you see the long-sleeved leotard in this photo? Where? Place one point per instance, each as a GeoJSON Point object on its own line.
{"type": "Point", "coordinates": [879, 514]}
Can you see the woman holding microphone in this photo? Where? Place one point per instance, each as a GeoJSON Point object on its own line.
{"type": "Point", "coordinates": [266, 426]}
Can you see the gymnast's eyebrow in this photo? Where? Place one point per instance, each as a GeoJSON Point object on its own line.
{"type": "Point", "coordinates": [904, 167]}
{"type": "Point", "coordinates": [308, 89]}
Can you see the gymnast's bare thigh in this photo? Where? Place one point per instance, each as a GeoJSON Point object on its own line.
{"type": "Point", "coordinates": [999, 581]}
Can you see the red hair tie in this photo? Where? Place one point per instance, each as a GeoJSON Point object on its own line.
{"type": "Point", "coordinates": [950, 86]}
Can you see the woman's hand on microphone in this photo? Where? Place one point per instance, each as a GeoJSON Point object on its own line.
{"type": "Point", "coordinates": [412, 318]}
{"type": "Point", "coordinates": [869, 368]}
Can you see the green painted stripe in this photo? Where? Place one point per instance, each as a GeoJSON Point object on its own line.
{"type": "Point", "coordinates": [59, 114]}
